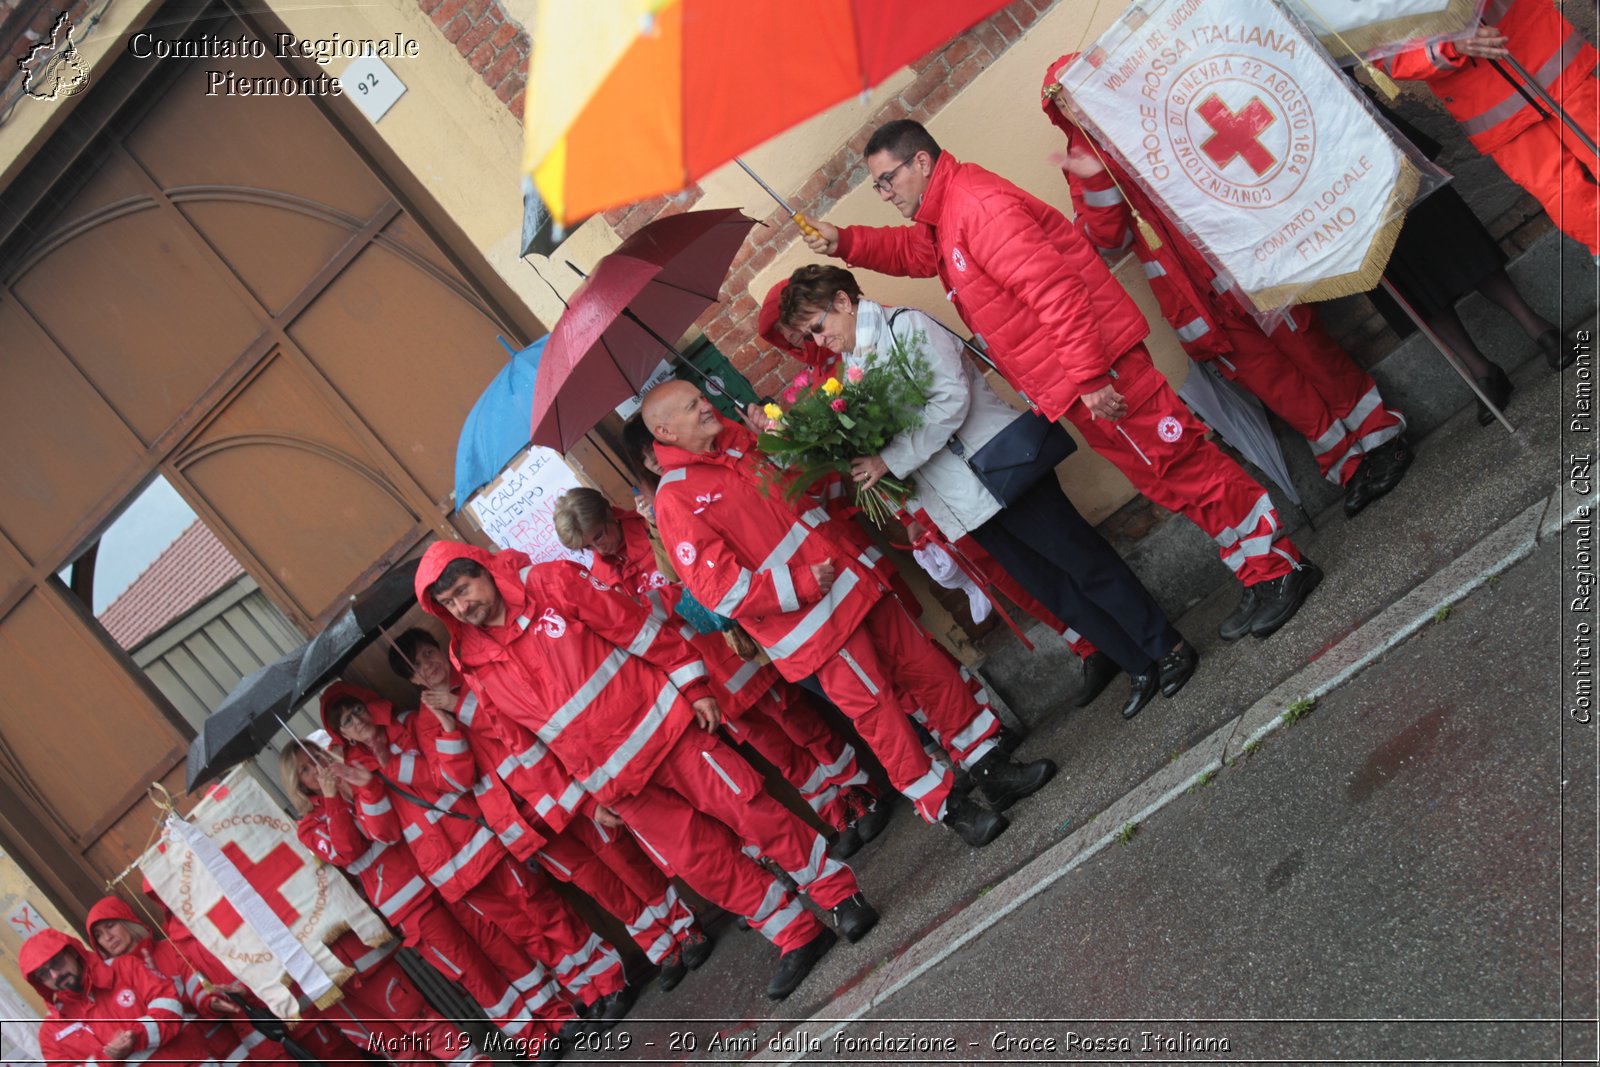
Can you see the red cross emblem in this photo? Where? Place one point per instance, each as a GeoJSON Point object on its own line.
{"type": "Point", "coordinates": [1236, 133]}
{"type": "Point", "coordinates": [268, 877]}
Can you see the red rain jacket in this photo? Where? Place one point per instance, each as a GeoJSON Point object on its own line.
{"type": "Point", "coordinates": [119, 995]}
{"type": "Point", "coordinates": [389, 875]}
{"type": "Point", "coordinates": [600, 682]}
{"type": "Point", "coordinates": [1048, 311]}
{"type": "Point", "coordinates": [1489, 107]}
{"type": "Point", "coordinates": [161, 956]}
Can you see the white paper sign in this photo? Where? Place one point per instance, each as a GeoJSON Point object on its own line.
{"type": "Point", "coordinates": [662, 373]}
{"type": "Point", "coordinates": [372, 85]}
{"type": "Point", "coordinates": [515, 508]}
{"type": "Point", "coordinates": [1236, 123]}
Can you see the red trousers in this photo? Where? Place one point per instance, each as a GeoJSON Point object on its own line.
{"type": "Point", "coordinates": [811, 755]}
{"type": "Point", "coordinates": [384, 1012]}
{"type": "Point", "coordinates": [703, 808]}
{"type": "Point", "coordinates": [1303, 375]}
{"type": "Point", "coordinates": [487, 967]}
{"type": "Point", "coordinates": [1549, 161]}
{"type": "Point", "coordinates": [523, 907]}
{"type": "Point", "coordinates": [620, 877]}
{"type": "Point", "coordinates": [889, 668]}
{"type": "Point", "coordinates": [1163, 450]}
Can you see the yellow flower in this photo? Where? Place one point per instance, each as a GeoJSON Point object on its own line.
{"type": "Point", "coordinates": [832, 387]}
{"type": "Point", "coordinates": [773, 412]}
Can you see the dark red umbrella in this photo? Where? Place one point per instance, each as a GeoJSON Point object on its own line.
{"type": "Point", "coordinates": [623, 321]}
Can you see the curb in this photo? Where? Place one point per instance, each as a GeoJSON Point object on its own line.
{"type": "Point", "coordinates": [1501, 549]}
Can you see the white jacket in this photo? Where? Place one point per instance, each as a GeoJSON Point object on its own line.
{"type": "Point", "coordinates": [960, 404]}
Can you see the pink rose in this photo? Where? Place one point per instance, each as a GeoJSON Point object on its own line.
{"type": "Point", "coordinates": [802, 380]}
{"type": "Point", "coordinates": [854, 374]}
{"type": "Point", "coordinates": [838, 404]}
{"type": "Point", "coordinates": [790, 395]}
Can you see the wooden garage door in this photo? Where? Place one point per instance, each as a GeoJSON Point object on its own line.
{"type": "Point", "coordinates": [226, 293]}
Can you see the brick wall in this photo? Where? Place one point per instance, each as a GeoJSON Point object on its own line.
{"type": "Point", "coordinates": [491, 41]}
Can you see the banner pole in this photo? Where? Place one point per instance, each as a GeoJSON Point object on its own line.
{"type": "Point", "coordinates": [1449, 356]}
{"type": "Point", "coordinates": [1549, 101]}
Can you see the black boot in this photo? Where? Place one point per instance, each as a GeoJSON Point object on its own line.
{"type": "Point", "coordinates": [976, 825]}
{"type": "Point", "coordinates": [1098, 670]}
{"type": "Point", "coordinates": [1237, 625]}
{"type": "Point", "coordinates": [870, 813]}
{"type": "Point", "coordinates": [794, 965]}
{"type": "Point", "coordinates": [1142, 689]}
{"type": "Point", "coordinates": [1497, 387]}
{"type": "Point", "coordinates": [1280, 599]}
{"type": "Point", "coordinates": [854, 917]}
{"type": "Point", "coordinates": [846, 844]}
{"type": "Point", "coordinates": [1177, 667]}
{"type": "Point", "coordinates": [610, 1009]}
{"type": "Point", "coordinates": [1004, 781]}
{"type": "Point", "coordinates": [1558, 355]}
{"type": "Point", "coordinates": [1380, 471]}
{"type": "Point", "coordinates": [673, 970]}
{"type": "Point", "coordinates": [1008, 740]}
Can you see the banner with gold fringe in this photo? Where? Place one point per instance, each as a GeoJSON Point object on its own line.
{"type": "Point", "coordinates": [1380, 27]}
{"type": "Point", "coordinates": [235, 874]}
{"type": "Point", "coordinates": [1248, 136]}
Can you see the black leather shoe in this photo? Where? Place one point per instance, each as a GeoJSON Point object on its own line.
{"type": "Point", "coordinates": [696, 947]}
{"type": "Point", "coordinates": [974, 824]}
{"type": "Point", "coordinates": [872, 813]}
{"type": "Point", "coordinates": [1008, 740]}
{"type": "Point", "coordinates": [1177, 667]}
{"type": "Point", "coordinates": [854, 917]}
{"type": "Point", "coordinates": [1497, 387]}
{"type": "Point", "coordinates": [1280, 599]}
{"type": "Point", "coordinates": [1142, 689]}
{"type": "Point", "coordinates": [1558, 355]}
{"type": "Point", "coordinates": [611, 1008]}
{"type": "Point", "coordinates": [673, 970]}
{"type": "Point", "coordinates": [1380, 471]}
{"type": "Point", "coordinates": [794, 965]}
{"type": "Point", "coordinates": [1237, 625]}
{"type": "Point", "coordinates": [1098, 670]}
{"type": "Point", "coordinates": [1004, 781]}
{"type": "Point", "coordinates": [846, 844]}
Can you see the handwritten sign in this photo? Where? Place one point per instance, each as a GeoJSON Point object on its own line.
{"type": "Point", "coordinates": [515, 508]}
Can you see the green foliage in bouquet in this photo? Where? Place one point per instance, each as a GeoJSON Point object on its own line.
{"type": "Point", "coordinates": [829, 423]}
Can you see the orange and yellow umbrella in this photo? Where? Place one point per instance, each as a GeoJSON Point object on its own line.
{"type": "Point", "coordinates": [629, 99]}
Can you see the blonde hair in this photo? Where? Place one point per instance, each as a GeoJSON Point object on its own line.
{"type": "Point", "coordinates": [289, 773]}
{"type": "Point", "coordinates": [577, 512]}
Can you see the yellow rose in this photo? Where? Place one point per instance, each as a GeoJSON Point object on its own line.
{"type": "Point", "coordinates": [773, 412]}
{"type": "Point", "coordinates": [832, 387]}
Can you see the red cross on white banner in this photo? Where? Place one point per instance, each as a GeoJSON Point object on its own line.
{"type": "Point", "coordinates": [1236, 133]}
{"type": "Point", "coordinates": [268, 877]}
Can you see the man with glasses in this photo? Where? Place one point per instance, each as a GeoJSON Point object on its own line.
{"type": "Point", "coordinates": [1068, 338]}
{"type": "Point", "coordinates": [113, 1010]}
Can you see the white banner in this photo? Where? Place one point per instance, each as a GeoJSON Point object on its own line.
{"type": "Point", "coordinates": [283, 905]}
{"type": "Point", "coordinates": [1251, 139]}
{"type": "Point", "coordinates": [1379, 27]}
{"type": "Point", "coordinates": [515, 508]}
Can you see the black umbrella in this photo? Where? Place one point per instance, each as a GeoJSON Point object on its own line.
{"type": "Point", "coordinates": [377, 606]}
{"type": "Point", "coordinates": [252, 712]}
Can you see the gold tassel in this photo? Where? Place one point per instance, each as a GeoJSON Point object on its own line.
{"type": "Point", "coordinates": [1146, 231]}
{"type": "Point", "coordinates": [1385, 84]}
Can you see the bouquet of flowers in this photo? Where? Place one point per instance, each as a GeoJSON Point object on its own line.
{"type": "Point", "coordinates": [831, 422]}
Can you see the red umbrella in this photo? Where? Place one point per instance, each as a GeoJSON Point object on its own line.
{"type": "Point", "coordinates": [621, 323]}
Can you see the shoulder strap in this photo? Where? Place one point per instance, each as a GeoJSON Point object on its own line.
{"type": "Point", "coordinates": [966, 343]}
{"type": "Point", "coordinates": [412, 798]}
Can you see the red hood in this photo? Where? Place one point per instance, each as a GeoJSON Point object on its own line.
{"type": "Point", "coordinates": [381, 710]}
{"type": "Point", "coordinates": [1051, 112]}
{"type": "Point", "coordinates": [733, 435]}
{"type": "Point", "coordinates": [114, 908]}
{"type": "Point", "coordinates": [504, 566]}
{"type": "Point", "coordinates": [41, 947]}
{"type": "Point", "coordinates": [811, 354]}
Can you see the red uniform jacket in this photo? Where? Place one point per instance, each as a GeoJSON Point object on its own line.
{"type": "Point", "coordinates": [1489, 107]}
{"type": "Point", "coordinates": [389, 874]}
{"type": "Point", "coordinates": [603, 685]}
{"type": "Point", "coordinates": [120, 995]}
{"type": "Point", "coordinates": [746, 552]}
{"type": "Point", "coordinates": [1049, 312]}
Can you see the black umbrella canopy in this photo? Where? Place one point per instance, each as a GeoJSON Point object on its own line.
{"type": "Point", "coordinates": [380, 604]}
{"type": "Point", "coordinates": [248, 717]}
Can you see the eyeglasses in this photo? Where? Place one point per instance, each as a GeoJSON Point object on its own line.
{"type": "Point", "coordinates": [882, 181]}
{"type": "Point", "coordinates": [57, 964]}
{"type": "Point", "coordinates": [822, 320]}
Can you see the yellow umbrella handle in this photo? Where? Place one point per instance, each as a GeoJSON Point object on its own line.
{"type": "Point", "coordinates": [804, 223]}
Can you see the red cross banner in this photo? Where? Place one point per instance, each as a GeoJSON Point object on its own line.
{"type": "Point", "coordinates": [1245, 133]}
{"type": "Point", "coordinates": [237, 876]}
{"type": "Point", "coordinates": [1380, 27]}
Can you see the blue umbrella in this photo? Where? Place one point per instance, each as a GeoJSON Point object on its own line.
{"type": "Point", "coordinates": [497, 427]}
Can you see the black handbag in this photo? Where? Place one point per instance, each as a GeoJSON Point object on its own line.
{"type": "Point", "coordinates": [1019, 456]}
